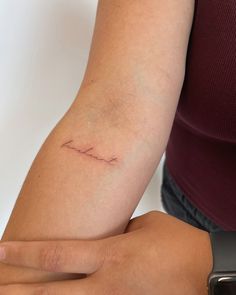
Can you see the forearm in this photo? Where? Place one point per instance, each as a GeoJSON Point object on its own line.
{"type": "Point", "coordinates": [70, 193]}
{"type": "Point", "coordinates": [93, 168]}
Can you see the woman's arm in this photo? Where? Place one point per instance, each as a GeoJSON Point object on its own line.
{"type": "Point", "coordinates": [93, 168]}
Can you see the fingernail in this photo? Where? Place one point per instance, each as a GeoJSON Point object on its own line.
{"type": "Point", "coordinates": [2, 253]}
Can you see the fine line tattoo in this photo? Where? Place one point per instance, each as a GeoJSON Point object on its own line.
{"type": "Point", "coordinates": [85, 152]}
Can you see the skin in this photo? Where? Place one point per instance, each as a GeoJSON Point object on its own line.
{"type": "Point", "coordinates": [149, 258]}
{"type": "Point", "coordinates": [124, 110]}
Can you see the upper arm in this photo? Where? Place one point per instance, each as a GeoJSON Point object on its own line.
{"type": "Point", "coordinates": [136, 43]}
{"type": "Point", "coordinates": [137, 58]}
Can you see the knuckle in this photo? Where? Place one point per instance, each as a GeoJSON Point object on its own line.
{"type": "Point", "coordinates": [152, 216]}
{"type": "Point", "coordinates": [51, 258]}
{"type": "Point", "coordinates": [152, 213]}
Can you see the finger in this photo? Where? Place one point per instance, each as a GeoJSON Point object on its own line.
{"type": "Point", "coordinates": [86, 286]}
{"type": "Point", "coordinates": [73, 256]}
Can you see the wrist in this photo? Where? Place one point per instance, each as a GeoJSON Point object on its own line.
{"type": "Point", "coordinates": [202, 263]}
{"type": "Point", "coordinates": [207, 259]}
{"type": "Point", "coordinates": [222, 279]}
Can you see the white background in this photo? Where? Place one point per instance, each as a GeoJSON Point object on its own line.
{"type": "Point", "coordinates": [44, 47]}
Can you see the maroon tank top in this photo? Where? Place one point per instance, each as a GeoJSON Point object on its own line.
{"type": "Point", "coordinates": [201, 151]}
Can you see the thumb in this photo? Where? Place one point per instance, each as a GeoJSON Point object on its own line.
{"type": "Point", "coordinates": [70, 256]}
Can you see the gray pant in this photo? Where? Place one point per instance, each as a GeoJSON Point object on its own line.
{"type": "Point", "coordinates": [176, 204]}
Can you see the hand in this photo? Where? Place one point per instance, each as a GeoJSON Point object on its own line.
{"type": "Point", "coordinates": [157, 254]}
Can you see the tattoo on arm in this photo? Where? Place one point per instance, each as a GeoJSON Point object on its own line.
{"type": "Point", "coordinates": [69, 145]}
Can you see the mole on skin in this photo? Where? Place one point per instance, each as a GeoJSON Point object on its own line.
{"type": "Point", "coordinates": [85, 152]}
